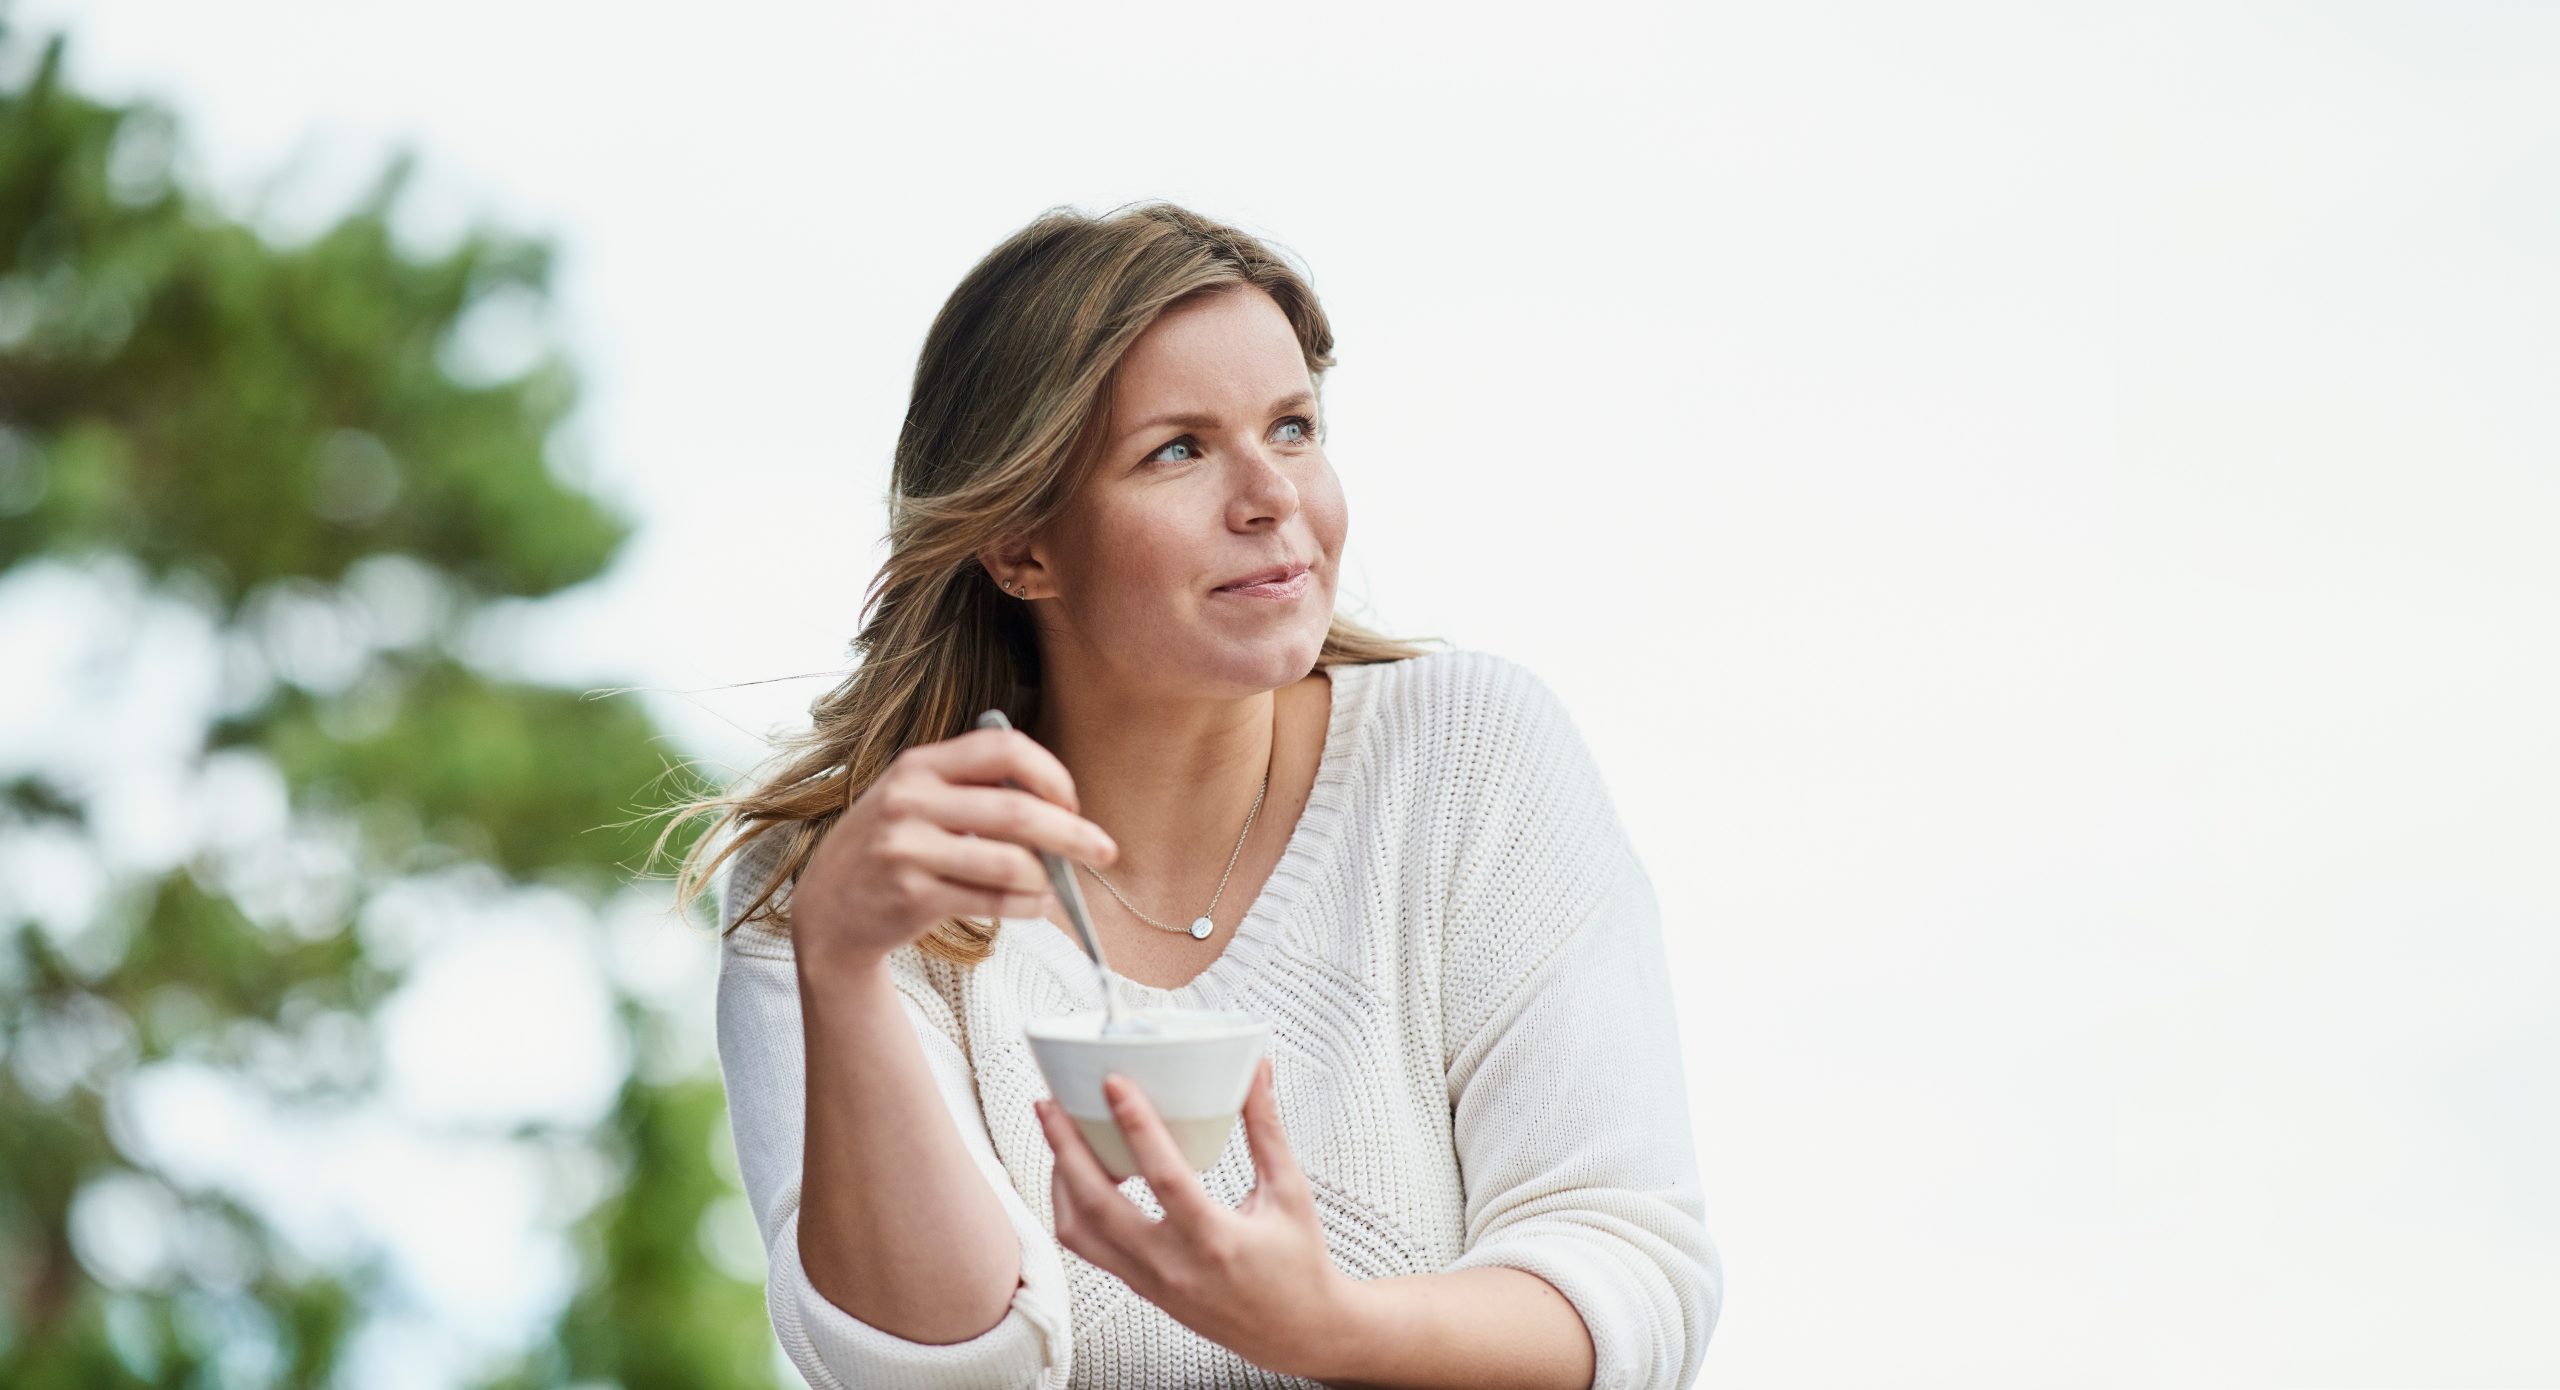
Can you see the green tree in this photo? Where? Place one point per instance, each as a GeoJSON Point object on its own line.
{"type": "Point", "coordinates": [265, 433]}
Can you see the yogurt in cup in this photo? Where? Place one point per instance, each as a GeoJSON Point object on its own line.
{"type": "Point", "coordinates": [1195, 1069]}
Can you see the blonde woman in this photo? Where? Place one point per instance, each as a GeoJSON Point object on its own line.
{"type": "Point", "coordinates": [1468, 1162]}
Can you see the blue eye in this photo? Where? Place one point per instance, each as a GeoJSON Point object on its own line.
{"type": "Point", "coordinates": [1306, 435]}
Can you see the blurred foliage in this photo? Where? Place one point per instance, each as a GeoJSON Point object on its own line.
{"type": "Point", "coordinates": [268, 430]}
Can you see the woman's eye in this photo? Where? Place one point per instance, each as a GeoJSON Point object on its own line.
{"type": "Point", "coordinates": [1306, 435]}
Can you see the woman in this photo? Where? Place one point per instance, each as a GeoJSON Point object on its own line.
{"type": "Point", "coordinates": [1468, 1161]}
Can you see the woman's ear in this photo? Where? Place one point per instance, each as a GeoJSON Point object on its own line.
{"type": "Point", "coordinates": [1009, 563]}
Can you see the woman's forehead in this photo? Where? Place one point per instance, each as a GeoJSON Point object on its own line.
{"type": "Point", "coordinates": [1192, 370]}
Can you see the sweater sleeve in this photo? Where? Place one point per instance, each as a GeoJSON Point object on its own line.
{"type": "Point", "coordinates": [762, 1065]}
{"type": "Point", "coordinates": [1563, 1048]}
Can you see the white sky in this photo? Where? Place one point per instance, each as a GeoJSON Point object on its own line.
{"type": "Point", "coordinates": [2044, 513]}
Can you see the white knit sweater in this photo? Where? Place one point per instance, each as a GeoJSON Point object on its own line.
{"type": "Point", "coordinates": [1473, 1041]}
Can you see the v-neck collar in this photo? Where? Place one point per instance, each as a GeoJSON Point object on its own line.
{"type": "Point", "coordinates": [1301, 860]}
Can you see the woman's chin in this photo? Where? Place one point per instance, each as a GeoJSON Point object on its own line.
{"type": "Point", "coordinates": [1269, 661]}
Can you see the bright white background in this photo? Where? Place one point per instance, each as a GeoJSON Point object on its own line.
{"type": "Point", "coordinates": [2046, 514]}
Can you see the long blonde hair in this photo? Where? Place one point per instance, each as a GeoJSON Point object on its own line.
{"type": "Point", "coordinates": [1011, 399]}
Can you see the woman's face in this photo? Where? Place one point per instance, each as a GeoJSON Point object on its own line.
{"type": "Point", "coordinates": [1128, 578]}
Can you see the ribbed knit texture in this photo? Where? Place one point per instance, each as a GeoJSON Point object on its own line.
{"type": "Point", "coordinates": [1473, 1041]}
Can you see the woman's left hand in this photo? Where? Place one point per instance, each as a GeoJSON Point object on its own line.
{"type": "Point", "coordinates": [1255, 1279]}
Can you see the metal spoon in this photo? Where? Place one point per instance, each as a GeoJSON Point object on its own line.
{"type": "Point", "coordinates": [1117, 1015]}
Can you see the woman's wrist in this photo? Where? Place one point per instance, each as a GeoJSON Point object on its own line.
{"type": "Point", "coordinates": [833, 967]}
{"type": "Point", "coordinates": [1348, 1346]}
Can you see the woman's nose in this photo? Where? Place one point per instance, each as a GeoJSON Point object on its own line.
{"type": "Point", "coordinates": [1266, 485]}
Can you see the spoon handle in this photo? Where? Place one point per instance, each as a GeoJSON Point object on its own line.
{"type": "Point", "coordinates": [1118, 1017]}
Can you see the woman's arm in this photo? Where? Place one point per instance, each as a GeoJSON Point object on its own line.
{"type": "Point", "coordinates": [1476, 1329]}
{"type": "Point", "coordinates": [1573, 1133]}
{"type": "Point", "coordinates": [1561, 1043]}
{"type": "Point", "coordinates": [877, 1074]}
{"type": "Point", "coordinates": [897, 1227]}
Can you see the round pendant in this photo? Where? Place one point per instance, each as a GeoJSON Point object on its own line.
{"type": "Point", "coordinates": [1200, 930]}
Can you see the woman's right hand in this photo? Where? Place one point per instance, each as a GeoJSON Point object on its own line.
{"type": "Point", "coordinates": [936, 836]}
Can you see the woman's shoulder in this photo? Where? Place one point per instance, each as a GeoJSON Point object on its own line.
{"type": "Point", "coordinates": [1467, 739]}
{"type": "Point", "coordinates": [1463, 698]}
{"type": "Point", "coordinates": [753, 866]}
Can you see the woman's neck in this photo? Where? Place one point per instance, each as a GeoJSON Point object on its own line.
{"type": "Point", "coordinates": [1170, 781]}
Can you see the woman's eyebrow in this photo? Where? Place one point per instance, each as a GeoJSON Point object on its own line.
{"type": "Point", "coordinates": [1191, 421]}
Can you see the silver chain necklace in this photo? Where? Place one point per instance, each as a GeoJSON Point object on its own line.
{"type": "Point", "coordinates": [1202, 926]}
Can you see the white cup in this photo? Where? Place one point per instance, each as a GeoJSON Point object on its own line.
{"type": "Point", "coordinates": [1196, 1071]}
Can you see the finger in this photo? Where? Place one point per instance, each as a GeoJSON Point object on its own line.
{"type": "Point", "coordinates": [949, 899]}
{"type": "Point", "coordinates": [1091, 1202]}
{"type": "Point", "coordinates": [1274, 1167]}
{"type": "Point", "coordinates": [966, 860]}
{"type": "Point", "coordinates": [1160, 1160]}
{"type": "Point", "coordinates": [988, 756]}
{"type": "Point", "coordinates": [1008, 813]}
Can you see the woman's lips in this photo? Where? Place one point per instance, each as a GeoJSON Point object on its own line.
{"type": "Point", "coordinates": [1283, 589]}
